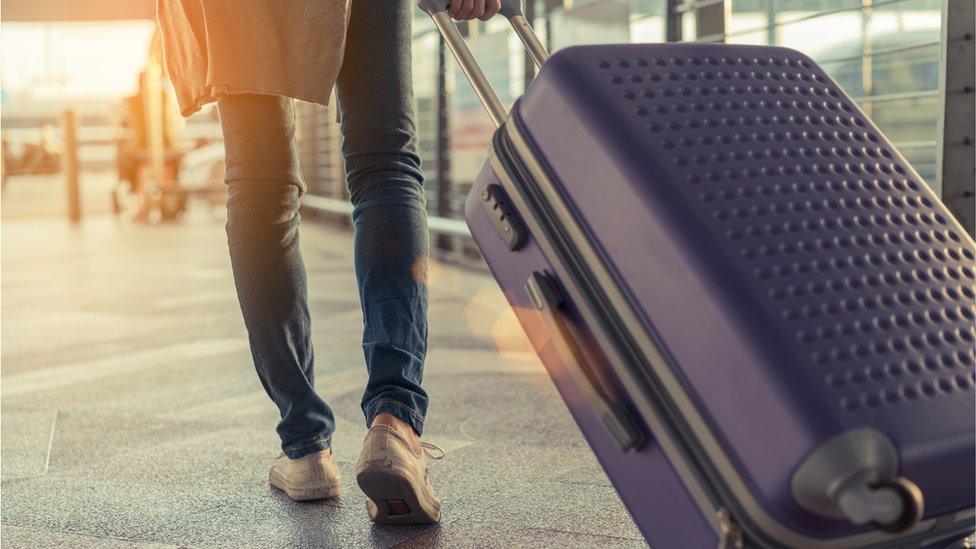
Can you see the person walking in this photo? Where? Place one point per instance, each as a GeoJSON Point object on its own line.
{"type": "Point", "coordinates": [254, 57]}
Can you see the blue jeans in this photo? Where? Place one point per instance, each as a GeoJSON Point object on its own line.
{"type": "Point", "coordinates": [389, 218]}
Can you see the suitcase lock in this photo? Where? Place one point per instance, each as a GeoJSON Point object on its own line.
{"type": "Point", "coordinates": [502, 215]}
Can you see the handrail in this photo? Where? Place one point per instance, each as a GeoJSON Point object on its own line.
{"type": "Point", "coordinates": [721, 36]}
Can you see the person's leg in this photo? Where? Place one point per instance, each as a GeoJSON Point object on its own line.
{"type": "Point", "coordinates": [264, 186]}
{"type": "Point", "coordinates": [386, 189]}
{"type": "Point", "coordinates": [389, 214]}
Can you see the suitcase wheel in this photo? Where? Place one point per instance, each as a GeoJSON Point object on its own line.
{"type": "Point", "coordinates": [913, 504]}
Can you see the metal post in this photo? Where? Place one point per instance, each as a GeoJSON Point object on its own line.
{"type": "Point", "coordinates": [443, 141]}
{"type": "Point", "coordinates": [867, 61]}
{"type": "Point", "coordinates": [956, 165]}
{"type": "Point", "coordinates": [155, 117]}
{"type": "Point", "coordinates": [710, 21]}
{"type": "Point", "coordinates": [550, 6]}
{"type": "Point", "coordinates": [672, 21]}
{"type": "Point", "coordinates": [70, 165]}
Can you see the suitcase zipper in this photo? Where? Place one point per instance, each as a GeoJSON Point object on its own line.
{"type": "Point", "coordinates": [531, 193]}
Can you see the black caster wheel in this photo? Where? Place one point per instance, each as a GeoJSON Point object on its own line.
{"type": "Point", "coordinates": [911, 496]}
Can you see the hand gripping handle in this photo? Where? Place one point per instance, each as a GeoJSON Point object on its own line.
{"type": "Point", "coordinates": [512, 10]}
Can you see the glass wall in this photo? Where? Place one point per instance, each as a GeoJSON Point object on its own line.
{"type": "Point", "coordinates": [884, 53]}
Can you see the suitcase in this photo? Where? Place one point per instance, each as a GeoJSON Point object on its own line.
{"type": "Point", "coordinates": [756, 311]}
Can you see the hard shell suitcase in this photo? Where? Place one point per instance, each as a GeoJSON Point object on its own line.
{"type": "Point", "coordinates": [758, 314]}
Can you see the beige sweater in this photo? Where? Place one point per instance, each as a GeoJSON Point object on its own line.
{"type": "Point", "coordinates": [281, 47]}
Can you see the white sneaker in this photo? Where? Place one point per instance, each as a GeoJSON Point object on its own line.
{"type": "Point", "coordinates": [314, 476]}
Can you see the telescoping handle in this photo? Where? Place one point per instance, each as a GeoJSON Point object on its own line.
{"type": "Point", "coordinates": [511, 10]}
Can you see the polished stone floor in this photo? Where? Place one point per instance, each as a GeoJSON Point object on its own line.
{"type": "Point", "coordinates": [131, 416]}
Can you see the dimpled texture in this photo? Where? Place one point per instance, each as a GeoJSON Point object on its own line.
{"type": "Point", "coordinates": [869, 279]}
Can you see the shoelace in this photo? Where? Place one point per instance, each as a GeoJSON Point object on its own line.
{"type": "Point", "coordinates": [432, 450]}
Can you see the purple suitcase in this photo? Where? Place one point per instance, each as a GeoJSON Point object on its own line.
{"type": "Point", "coordinates": [758, 314]}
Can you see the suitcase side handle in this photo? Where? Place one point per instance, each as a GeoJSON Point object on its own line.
{"type": "Point", "coordinates": [512, 10]}
{"type": "Point", "coordinates": [597, 392]}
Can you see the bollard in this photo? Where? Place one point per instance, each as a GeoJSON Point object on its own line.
{"type": "Point", "coordinates": [69, 165]}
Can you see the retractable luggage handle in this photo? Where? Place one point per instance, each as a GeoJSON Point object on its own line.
{"type": "Point", "coordinates": [511, 10]}
{"type": "Point", "coordinates": [600, 398]}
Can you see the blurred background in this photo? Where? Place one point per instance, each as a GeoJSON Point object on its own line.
{"type": "Point", "coordinates": [89, 126]}
{"type": "Point", "coordinates": [130, 411]}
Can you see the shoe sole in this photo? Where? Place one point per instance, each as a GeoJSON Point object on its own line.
{"type": "Point", "coordinates": [396, 499]}
{"type": "Point", "coordinates": [304, 492]}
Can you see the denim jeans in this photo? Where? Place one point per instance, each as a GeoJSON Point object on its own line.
{"type": "Point", "coordinates": [389, 218]}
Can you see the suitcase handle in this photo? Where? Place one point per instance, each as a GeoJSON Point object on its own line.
{"type": "Point", "coordinates": [512, 10]}
{"type": "Point", "coordinates": [596, 391]}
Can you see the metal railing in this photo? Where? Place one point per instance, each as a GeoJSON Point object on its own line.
{"type": "Point", "coordinates": [724, 36]}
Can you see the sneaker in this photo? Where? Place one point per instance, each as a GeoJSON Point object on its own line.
{"type": "Point", "coordinates": [395, 479]}
{"type": "Point", "coordinates": [314, 476]}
